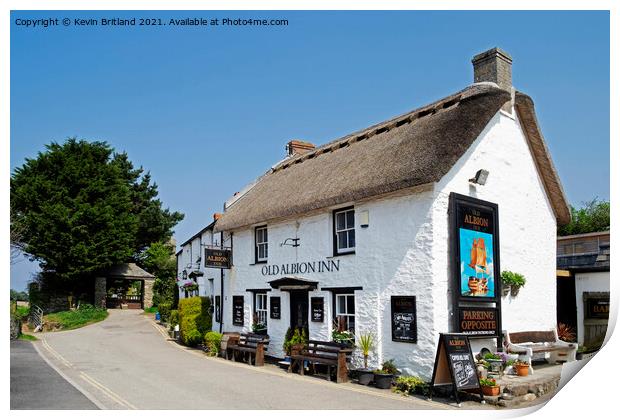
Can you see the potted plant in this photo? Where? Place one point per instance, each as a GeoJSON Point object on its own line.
{"type": "Point", "coordinates": [342, 336]}
{"type": "Point", "coordinates": [365, 343]}
{"type": "Point", "coordinates": [489, 387]}
{"type": "Point", "coordinates": [521, 367]}
{"type": "Point", "coordinates": [298, 341]}
{"type": "Point", "coordinates": [515, 281]}
{"type": "Point", "coordinates": [383, 377]}
{"type": "Point", "coordinates": [257, 326]}
{"type": "Point", "coordinates": [495, 362]}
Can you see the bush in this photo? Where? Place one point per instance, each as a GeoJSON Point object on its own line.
{"type": "Point", "coordinates": [411, 385]}
{"type": "Point", "coordinates": [164, 311]}
{"type": "Point", "coordinates": [212, 342]}
{"type": "Point", "coordinates": [174, 318]}
{"type": "Point", "coordinates": [194, 319]}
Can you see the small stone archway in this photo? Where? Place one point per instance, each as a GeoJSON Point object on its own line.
{"type": "Point", "coordinates": [112, 287]}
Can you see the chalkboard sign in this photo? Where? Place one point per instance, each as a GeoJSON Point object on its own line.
{"type": "Point", "coordinates": [316, 307]}
{"type": "Point", "coordinates": [597, 307]}
{"type": "Point", "coordinates": [218, 309]}
{"type": "Point", "coordinates": [237, 310]}
{"type": "Point", "coordinates": [274, 307]}
{"type": "Point", "coordinates": [404, 319]}
{"type": "Point", "coordinates": [454, 365]}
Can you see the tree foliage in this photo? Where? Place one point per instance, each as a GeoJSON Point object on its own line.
{"type": "Point", "coordinates": [158, 259]}
{"type": "Point", "coordinates": [80, 207]}
{"type": "Point", "coordinates": [593, 216]}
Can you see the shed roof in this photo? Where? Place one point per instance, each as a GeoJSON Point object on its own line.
{"type": "Point", "coordinates": [128, 271]}
{"type": "Point", "coordinates": [410, 150]}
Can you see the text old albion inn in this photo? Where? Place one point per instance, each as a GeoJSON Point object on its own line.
{"type": "Point", "coordinates": [397, 230]}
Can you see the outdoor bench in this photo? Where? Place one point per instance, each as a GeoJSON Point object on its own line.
{"type": "Point", "coordinates": [528, 343]}
{"type": "Point", "coordinates": [325, 353]}
{"type": "Point", "coordinates": [252, 345]}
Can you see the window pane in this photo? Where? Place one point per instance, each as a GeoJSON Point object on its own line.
{"type": "Point", "coordinates": [342, 240]}
{"type": "Point", "coordinates": [351, 239]}
{"type": "Point", "coordinates": [350, 219]}
{"type": "Point", "coordinates": [341, 305]}
{"type": "Point", "coordinates": [340, 221]}
{"type": "Point", "coordinates": [350, 304]}
{"type": "Point", "coordinates": [265, 235]}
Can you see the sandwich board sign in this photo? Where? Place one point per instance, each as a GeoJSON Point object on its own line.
{"type": "Point", "coordinates": [454, 365]}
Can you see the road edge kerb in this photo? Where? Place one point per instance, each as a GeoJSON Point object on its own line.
{"type": "Point", "coordinates": [198, 353]}
{"type": "Point", "coordinates": [74, 384]}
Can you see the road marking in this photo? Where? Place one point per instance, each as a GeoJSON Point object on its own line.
{"type": "Point", "coordinates": [290, 376]}
{"type": "Point", "coordinates": [108, 392]}
{"type": "Point", "coordinates": [77, 386]}
{"type": "Point", "coordinates": [56, 354]}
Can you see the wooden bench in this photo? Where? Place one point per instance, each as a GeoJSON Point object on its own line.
{"type": "Point", "coordinates": [528, 343]}
{"type": "Point", "coordinates": [325, 353]}
{"type": "Point", "coordinates": [248, 344]}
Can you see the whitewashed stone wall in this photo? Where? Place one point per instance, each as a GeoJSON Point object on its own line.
{"type": "Point", "coordinates": [405, 251]}
{"type": "Point", "coordinates": [588, 282]}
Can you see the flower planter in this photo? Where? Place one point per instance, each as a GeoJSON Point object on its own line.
{"type": "Point", "coordinates": [522, 370]}
{"type": "Point", "coordinates": [383, 380]}
{"type": "Point", "coordinates": [490, 391]}
{"type": "Point", "coordinates": [364, 376]}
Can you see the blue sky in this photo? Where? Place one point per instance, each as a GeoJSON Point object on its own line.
{"type": "Point", "coordinates": [206, 110]}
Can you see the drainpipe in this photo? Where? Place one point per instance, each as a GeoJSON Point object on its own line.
{"type": "Point", "coordinates": [221, 286]}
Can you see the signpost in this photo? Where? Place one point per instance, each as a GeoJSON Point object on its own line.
{"type": "Point", "coordinates": [404, 319]}
{"type": "Point", "coordinates": [317, 309]}
{"type": "Point", "coordinates": [454, 365]}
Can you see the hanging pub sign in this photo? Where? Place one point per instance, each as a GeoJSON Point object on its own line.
{"type": "Point", "coordinates": [478, 321]}
{"type": "Point", "coordinates": [218, 313]}
{"type": "Point", "coordinates": [404, 319]}
{"type": "Point", "coordinates": [237, 310]}
{"type": "Point", "coordinates": [475, 248]}
{"type": "Point", "coordinates": [217, 258]}
{"type": "Point", "coordinates": [316, 309]}
{"type": "Point", "coordinates": [454, 365]}
{"type": "Point", "coordinates": [274, 307]}
{"type": "Point", "coordinates": [597, 307]}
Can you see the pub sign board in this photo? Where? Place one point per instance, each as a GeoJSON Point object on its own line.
{"type": "Point", "coordinates": [404, 319]}
{"type": "Point", "coordinates": [455, 365]}
{"type": "Point", "coordinates": [475, 248]}
{"type": "Point", "coordinates": [478, 321]}
{"type": "Point", "coordinates": [217, 258]}
{"type": "Point", "coordinates": [317, 309]}
{"type": "Point", "coordinates": [237, 310]}
{"type": "Point", "coordinates": [597, 307]}
{"type": "Point", "coordinates": [274, 307]}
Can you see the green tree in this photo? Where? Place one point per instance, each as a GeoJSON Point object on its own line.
{"type": "Point", "coordinates": [158, 259]}
{"type": "Point", "coordinates": [81, 207]}
{"type": "Point", "coordinates": [593, 216]}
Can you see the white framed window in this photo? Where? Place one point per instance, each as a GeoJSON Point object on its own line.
{"type": "Point", "coordinates": [261, 244]}
{"type": "Point", "coordinates": [345, 309]}
{"type": "Point", "coordinates": [344, 231]}
{"type": "Point", "coordinates": [260, 308]}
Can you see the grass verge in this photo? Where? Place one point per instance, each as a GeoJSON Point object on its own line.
{"type": "Point", "coordinates": [27, 337]}
{"type": "Point", "coordinates": [69, 320]}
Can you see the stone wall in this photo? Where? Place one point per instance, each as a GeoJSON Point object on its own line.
{"type": "Point", "coordinates": [147, 293]}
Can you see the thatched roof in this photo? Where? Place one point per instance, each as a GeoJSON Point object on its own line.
{"type": "Point", "coordinates": [410, 150]}
{"type": "Point", "coordinates": [128, 271]}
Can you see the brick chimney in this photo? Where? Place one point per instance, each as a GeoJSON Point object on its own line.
{"type": "Point", "coordinates": [216, 216]}
{"type": "Point", "coordinates": [494, 65]}
{"type": "Point", "coordinates": [298, 147]}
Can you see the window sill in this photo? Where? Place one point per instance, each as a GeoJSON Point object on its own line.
{"type": "Point", "coordinates": [258, 263]}
{"type": "Point", "coordinates": [340, 254]}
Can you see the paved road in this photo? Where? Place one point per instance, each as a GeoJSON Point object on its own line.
{"type": "Point", "coordinates": [125, 362]}
{"type": "Point", "coordinates": [35, 385]}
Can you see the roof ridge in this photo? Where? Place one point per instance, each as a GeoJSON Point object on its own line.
{"type": "Point", "coordinates": [381, 127]}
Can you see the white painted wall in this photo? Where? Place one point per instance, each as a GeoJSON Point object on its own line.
{"type": "Point", "coordinates": [404, 251]}
{"type": "Point", "coordinates": [588, 282]}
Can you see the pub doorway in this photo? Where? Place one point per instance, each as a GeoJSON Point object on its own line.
{"type": "Point", "coordinates": [299, 309]}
